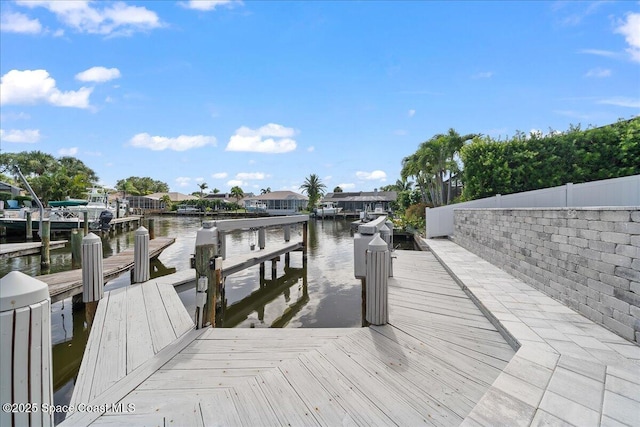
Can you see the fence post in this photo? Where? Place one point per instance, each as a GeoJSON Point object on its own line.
{"type": "Point", "coordinates": [377, 312]}
{"type": "Point", "coordinates": [29, 225]}
{"type": "Point", "coordinates": [25, 353]}
{"type": "Point", "coordinates": [141, 255]}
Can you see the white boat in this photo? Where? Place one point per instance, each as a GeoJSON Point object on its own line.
{"type": "Point", "coordinates": [327, 209]}
{"type": "Point", "coordinates": [97, 202]}
{"type": "Point", "coordinates": [255, 206]}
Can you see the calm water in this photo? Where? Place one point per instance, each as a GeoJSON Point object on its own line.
{"type": "Point", "coordinates": [322, 293]}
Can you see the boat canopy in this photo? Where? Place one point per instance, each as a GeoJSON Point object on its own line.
{"type": "Point", "coordinates": [67, 203]}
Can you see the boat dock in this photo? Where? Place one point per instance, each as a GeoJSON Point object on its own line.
{"type": "Point", "coordinates": [466, 343]}
{"type": "Point", "coordinates": [10, 250]}
{"type": "Point", "coordinates": [68, 283]}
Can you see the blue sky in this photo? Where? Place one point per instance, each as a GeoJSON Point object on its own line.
{"type": "Point", "coordinates": [262, 94]}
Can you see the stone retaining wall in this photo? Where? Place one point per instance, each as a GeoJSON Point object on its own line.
{"type": "Point", "coordinates": [588, 258]}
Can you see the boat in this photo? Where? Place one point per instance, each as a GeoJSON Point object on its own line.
{"type": "Point", "coordinates": [187, 209]}
{"type": "Point", "coordinates": [327, 209]}
{"type": "Point", "coordinates": [255, 206]}
{"type": "Point", "coordinates": [97, 202]}
{"type": "Point", "coordinates": [15, 221]}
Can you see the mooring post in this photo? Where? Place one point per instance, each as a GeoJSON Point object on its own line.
{"type": "Point", "coordinates": [206, 285]}
{"type": "Point", "coordinates": [45, 236]}
{"type": "Point", "coordinates": [117, 208]}
{"type": "Point", "coordinates": [274, 268]}
{"type": "Point", "coordinates": [215, 288]}
{"type": "Point", "coordinates": [377, 312]}
{"type": "Point", "coordinates": [29, 225]}
{"type": "Point", "coordinates": [76, 248]}
{"type": "Point", "coordinates": [141, 255]}
{"type": "Point", "coordinates": [85, 222]}
{"type": "Point", "coordinates": [152, 229]}
{"type": "Point", "coordinates": [262, 237]}
{"type": "Point", "coordinates": [287, 233]}
{"type": "Point", "coordinates": [92, 275]}
{"type": "Point", "coordinates": [305, 226]}
{"type": "Point", "coordinates": [25, 353]}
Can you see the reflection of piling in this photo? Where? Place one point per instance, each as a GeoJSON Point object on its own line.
{"type": "Point", "coordinates": [45, 261]}
{"type": "Point", "coordinates": [305, 226]}
{"type": "Point", "coordinates": [25, 353]}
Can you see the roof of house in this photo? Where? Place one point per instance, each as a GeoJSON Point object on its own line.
{"type": "Point", "coordinates": [278, 195]}
{"type": "Point", "coordinates": [362, 196]}
{"type": "Point", "coordinates": [174, 196]}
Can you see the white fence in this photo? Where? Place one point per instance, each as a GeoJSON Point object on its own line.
{"type": "Point", "coordinates": [623, 191]}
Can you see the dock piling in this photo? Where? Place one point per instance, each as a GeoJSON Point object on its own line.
{"type": "Point", "coordinates": [377, 312]}
{"type": "Point", "coordinates": [29, 225]}
{"type": "Point", "coordinates": [141, 255]}
{"type": "Point", "coordinates": [76, 247]}
{"type": "Point", "coordinates": [25, 353]}
{"type": "Point", "coordinates": [85, 222]}
{"type": "Point", "coordinates": [92, 275]}
{"type": "Point", "coordinates": [262, 237]}
{"type": "Point", "coordinates": [152, 229]}
{"type": "Point", "coordinates": [207, 286]}
{"type": "Point", "coordinates": [45, 261]}
{"type": "Point", "coordinates": [287, 233]}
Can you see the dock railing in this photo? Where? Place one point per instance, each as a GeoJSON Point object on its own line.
{"type": "Point", "coordinates": [210, 253]}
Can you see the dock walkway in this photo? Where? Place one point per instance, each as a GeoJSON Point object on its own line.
{"type": "Point", "coordinates": [68, 283]}
{"type": "Point", "coordinates": [430, 365]}
{"type": "Point", "coordinates": [10, 250]}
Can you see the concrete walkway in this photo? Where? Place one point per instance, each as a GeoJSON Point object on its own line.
{"type": "Point", "coordinates": [567, 370]}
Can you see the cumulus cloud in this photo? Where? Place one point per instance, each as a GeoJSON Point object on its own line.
{"type": "Point", "coordinates": [347, 186]}
{"type": "Point", "coordinates": [219, 175]}
{"type": "Point", "coordinates": [183, 181]}
{"type": "Point", "coordinates": [271, 138]}
{"type": "Point", "coordinates": [630, 29]}
{"type": "Point", "coordinates": [26, 136]}
{"type": "Point", "coordinates": [19, 23]}
{"type": "Point", "coordinates": [411, 113]}
{"type": "Point", "coordinates": [237, 182]}
{"type": "Point", "coordinates": [98, 74]}
{"type": "Point", "coordinates": [37, 86]}
{"type": "Point", "coordinates": [251, 175]}
{"type": "Point", "coordinates": [179, 143]}
{"type": "Point", "coordinates": [68, 151]}
{"type": "Point", "coordinates": [206, 5]}
{"type": "Point", "coordinates": [105, 18]}
{"type": "Point", "coordinates": [599, 52]}
{"type": "Point", "coordinates": [372, 176]}
{"type": "Point", "coordinates": [598, 73]}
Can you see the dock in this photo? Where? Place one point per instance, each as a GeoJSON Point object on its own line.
{"type": "Point", "coordinates": [68, 283]}
{"type": "Point", "coordinates": [10, 250]}
{"type": "Point", "coordinates": [431, 364]}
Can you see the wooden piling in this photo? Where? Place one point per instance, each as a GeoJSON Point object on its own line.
{"type": "Point", "coordinates": [377, 311]}
{"type": "Point", "coordinates": [92, 271]}
{"type": "Point", "coordinates": [141, 255]}
{"type": "Point", "coordinates": [76, 248]}
{"type": "Point", "coordinates": [29, 225]}
{"type": "Point", "coordinates": [287, 233]}
{"type": "Point", "coordinates": [305, 226]}
{"type": "Point", "coordinates": [85, 222]}
{"type": "Point", "coordinates": [25, 353]}
{"type": "Point", "coordinates": [206, 288]}
{"type": "Point", "coordinates": [152, 229]}
{"type": "Point", "coordinates": [262, 237]}
{"type": "Point", "coordinates": [45, 260]}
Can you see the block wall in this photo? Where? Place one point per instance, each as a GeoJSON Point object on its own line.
{"type": "Point", "coordinates": [587, 258]}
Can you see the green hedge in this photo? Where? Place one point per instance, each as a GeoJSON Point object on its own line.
{"type": "Point", "coordinates": [529, 163]}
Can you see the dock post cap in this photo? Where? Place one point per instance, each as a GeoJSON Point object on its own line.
{"type": "Point", "coordinates": [208, 224]}
{"type": "Point", "coordinates": [377, 244]}
{"type": "Point", "coordinates": [90, 236]}
{"type": "Point", "coordinates": [141, 231]}
{"type": "Point", "coordinates": [18, 290]}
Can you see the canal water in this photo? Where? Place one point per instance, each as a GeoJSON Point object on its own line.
{"type": "Point", "coordinates": [321, 293]}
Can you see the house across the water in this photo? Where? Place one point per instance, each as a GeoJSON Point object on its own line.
{"type": "Point", "coordinates": [361, 201]}
{"type": "Point", "coordinates": [277, 202]}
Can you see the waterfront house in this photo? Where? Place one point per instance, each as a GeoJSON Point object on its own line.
{"type": "Point", "coordinates": [278, 202]}
{"type": "Point", "coordinates": [362, 200]}
{"type": "Point", "coordinates": [153, 203]}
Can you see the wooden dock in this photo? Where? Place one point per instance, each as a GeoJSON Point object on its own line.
{"type": "Point", "coordinates": [68, 283]}
{"type": "Point", "coordinates": [10, 250]}
{"type": "Point", "coordinates": [430, 365]}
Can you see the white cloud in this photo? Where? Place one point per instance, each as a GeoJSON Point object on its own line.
{"type": "Point", "coordinates": [400, 132]}
{"type": "Point", "coordinates": [630, 29]}
{"type": "Point", "coordinates": [28, 136]}
{"type": "Point", "coordinates": [183, 181]}
{"type": "Point", "coordinates": [237, 182]}
{"type": "Point", "coordinates": [105, 18]}
{"type": "Point", "coordinates": [206, 5]}
{"type": "Point", "coordinates": [347, 186]}
{"type": "Point", "coordinates": [98, 74]}
{"type": "Point", "coordinates": [219, 175]}
{"type": "Point", "coordinates": [411, 113]}
{"type": "Point", "coordinates": [483, 75]}
{"type": "Point", "coordinates": [371, 176]}
{"type": "Point", "coordinates": [180, 143]}
{"type": "Point", "coordinates": [251, 175]}
{"type": "Point", "coordinates": [327, 178]}
{"type": "Point", "coordinates": [599, 52]}
{"type": "Point", "coordinates": [199, 179]}
{"type": "Point", "coordinates": [271, 138]}
{"type": "Point", "coordinates": [19, 23]}
{"type": "Point", "coordinates": [598, 73]}
{"type": "Point", "coordinates": [14, 116]}
{"type": "Point", "coordinates": [36, 86]}
{"type": "Point", "coordinates": [68, 151]}
{"type": "Point", "coordinates": [621, 101]}
{"type": "Point", "coordinates": [311, 149]}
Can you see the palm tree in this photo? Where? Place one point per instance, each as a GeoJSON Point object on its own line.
{"type": "Point", "coordinates": [203, 186]}
{"type": "Point", "coordinates": [314, 189]}
{"type": "Point", "coordinates": [215, 191]}
{"type": "Point", "coordinates": [338, 189]}
{"type": "Point", "coordinates": [238, 194]}
{"type": "Point", "coordinates": [265, 190]}
{"type": "Point", "coordinates": [167, 201]}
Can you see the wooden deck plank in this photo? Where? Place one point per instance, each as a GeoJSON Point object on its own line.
{"type": "Point", "coordinates": [219, 409]}
{"type": "Point", "coordinates": [180, 319]}
{"type": "Point", "coordinates": [256, 410]}
{"type": "Point", "coordinates": [162, 332]}
{"type": "Point", "coordinates": [140, 348]}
